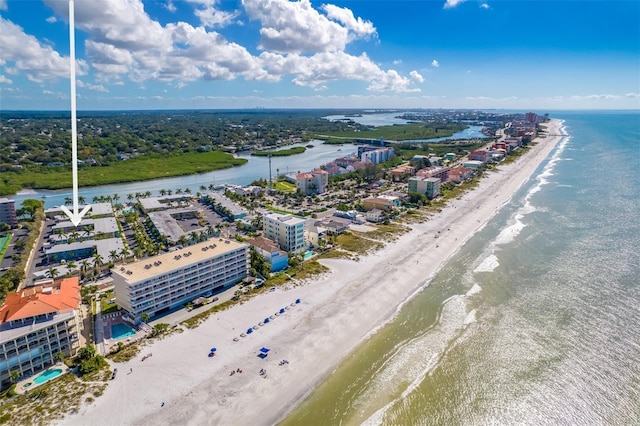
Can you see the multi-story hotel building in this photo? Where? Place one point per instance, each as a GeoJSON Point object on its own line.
{"type": "Point", "coordinates": [165, 282]}
{"type": "Point", "coordinates": [37, 323]}
{"type": "Point", "coordinates": [429, 186]}
{"type": "Point", "coordinates": [8, 212]}
{"type": "Point", "coordinates": [286, 230]}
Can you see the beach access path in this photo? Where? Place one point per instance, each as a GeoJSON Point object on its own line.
{"type": "Point", "coordinates": [180, 384]}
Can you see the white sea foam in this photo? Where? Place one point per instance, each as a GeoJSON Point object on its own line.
{"type": "Point", "coordinates": [413, 361]}
{"type": "Point", "coordinates": [488, 264]}
{"type": "Point", "coordinates": [473, 290]}
{"type": "Point", "coordinates": [471, 317]}
{"type": "Point", "coordinates": [509, 233]}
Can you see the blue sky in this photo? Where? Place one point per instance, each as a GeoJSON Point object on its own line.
{"type": "Point", "coordinates": [174, 54]}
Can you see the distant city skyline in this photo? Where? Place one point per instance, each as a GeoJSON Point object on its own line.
{"type": "Point", "coordinates": [212, 54]}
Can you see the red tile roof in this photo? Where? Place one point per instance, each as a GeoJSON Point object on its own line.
{"type": "Point", "coordinates": [62, 295]}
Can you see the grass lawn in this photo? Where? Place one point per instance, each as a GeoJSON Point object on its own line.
{"type": "Point", "coordinates": [4, 243]}
{"type": "Point", "coordinates": [285, 186]}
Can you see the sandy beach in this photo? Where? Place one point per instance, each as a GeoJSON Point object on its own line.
{"type": "Point", "coordinates": [180, 384]}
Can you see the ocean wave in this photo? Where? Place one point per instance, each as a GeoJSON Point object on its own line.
{"type": "Point", "coordinates": [414, 360]}
{"type": "Point", "coordinates": [508, 234]}
{"type": "Point", "coordinates": [489, 264]}
{"type": "Point", "coordinates": [473, 290]}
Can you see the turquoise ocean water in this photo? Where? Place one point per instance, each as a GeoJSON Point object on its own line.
{"type": "Point", "coordinates": [536, 321]}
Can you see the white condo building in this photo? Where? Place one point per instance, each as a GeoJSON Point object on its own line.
{"type": "Point", "coordinates": [162, 283]}
{"type": "Point", "coordinates": [286, 230]}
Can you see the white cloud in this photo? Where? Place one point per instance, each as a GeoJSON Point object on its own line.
{"type": "Point", "coordinates": [295, 27]}
{"type": "Point", "coordinates": [39, 62]}
{"type": "Point", "coordinates": [397, 61]}
{"type": "Point", "coordinates": [51, 19]}
{"type": "Point", "coordinates": [170, 6]}
{"type": "Point", "coordinates": [298, 42]}
{"type": "Point", "coordinates": [452, 3]}
{"type": "Point", "coordinates": [5, 80]}
{"type": "Point", "coordinates": [3, 5]}
{"type": "Point", "coordinates": [210, 16]}
{"type": "Point", "coordinates": [360, 28]}
{"type": "Point", "coordinates": [94, 87]}
{"type": "Point", "coordinates": [312, 71]}
{"type": "Point", "coordinates": [416, 76]}
{"type": "Point", "coordinates": [435, 63]}
{"type": "Point", "coordinates": [485, 6]}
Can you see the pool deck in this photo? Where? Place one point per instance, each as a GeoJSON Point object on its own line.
{"type": "Point", "coordinates": [28, 384]}
{"type": "Point", "coordinates": [114, 318]}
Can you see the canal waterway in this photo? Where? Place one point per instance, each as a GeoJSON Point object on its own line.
{"type": "Point", "coordinates": [255, 168]}
{"type": "Point", "coordinates": [390, 118]}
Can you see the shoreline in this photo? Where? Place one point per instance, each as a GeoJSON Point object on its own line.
{"type": "Point", "coordinates": [338, 310]}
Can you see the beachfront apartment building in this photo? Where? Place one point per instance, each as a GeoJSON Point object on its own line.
{"type": "Point", "coordinates": [286, 230]}
{"type": "Point", "coordinates": [278, 259]}
{"type": "Point", "coordinates": [383, 202]}
{"type": "Point", "coordinates": [36, 324]}
{"type": "Point", "coordinates": [8, 212]}
{"type": "Point", "coordinates": [428, 186]}
{"type": "Point", "coordinates": [167, 281]}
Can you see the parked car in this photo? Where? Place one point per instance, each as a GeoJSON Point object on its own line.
{"type": "Point", "coordinates": [113, 375]}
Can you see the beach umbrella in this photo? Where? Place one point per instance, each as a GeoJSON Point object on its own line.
{"type": "Point", "coordinates": [249, 330]}
{"type": "Point", "coordinates": [297, 300]}
{"type": "Point", "coordinates": [266, 320]}
{"type": "Point", "coordinates": [213, 349]}
{"type": "Point", "coordinates": [282, 311]}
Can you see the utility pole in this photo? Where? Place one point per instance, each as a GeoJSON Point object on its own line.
{"type": "Point", "coordinates": [270, 181]}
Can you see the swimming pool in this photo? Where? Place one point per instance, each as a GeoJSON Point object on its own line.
{"type": "Point", "coordinates": [120, 331]}
{"type": "Point", "coordinates": [47, 375]}
{"type": "Point", "coordinates": [309, 254]}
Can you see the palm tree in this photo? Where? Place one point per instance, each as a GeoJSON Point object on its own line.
{"type": "Point", "coordinates": [84, 267]}
{"type": "Point", "coordinates": [68, 201]}
{"type": "Point", "coordinates": [138, 252]}
{"type": "Point", "coordinates": [98, 261]}
{"type": "Point", "coordinates": [187, 190]}
{"type": "Point", "coordinates": [146, 194]}
{"type": "Point", "coordinates": [124, 253]}
{"type": "Point", "coordinates": [52, 272]}
{"type": "Point", "coordinates": [95, 199]}
{"type": "Point", "coordinates": [71, 265]}
{"type": "Point", "coordinates": [203, 188]}
{"type": "Point", "coordinates": [211, 187]}
{"type": "Point", "coordinates": [130, 197]}
{"type": "Point", "coordinates": [193, 236]}
{"type": "Point", "coordinates": [113, 255]}
{"type": "Point", "coordinates": [87, 230]}
{"type": "Point", "coordinates": [179, 191]}
{"type": "Point", "coordinates": [169, 192]}
{"type": "Point", "coordinates": [163, 192]}
{"type": "Point", "coordinates": [183, 240]}
{"type": "Point", "coordinates": [116, 197]}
